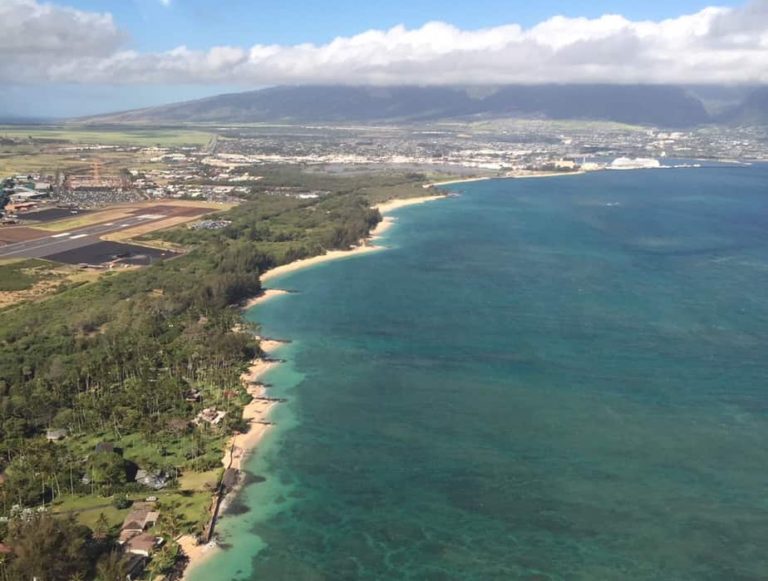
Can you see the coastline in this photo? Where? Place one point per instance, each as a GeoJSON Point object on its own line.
{"type": "Point", "coordinates": [264, 296]}
{"type": "Point", "coordinates": [460, 181]}
{"type": "Point", "coordinates": [257, 411]}
{"type": "Point", "coordinates": [363, 247]}
{"type": "Point", "coordinates": [239, 446]}
{"type": "Point", "coordinates": [545, 174]}
{"type": "Point", "coordinates": [509, 176]}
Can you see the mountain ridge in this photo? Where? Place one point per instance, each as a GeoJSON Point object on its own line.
{"type": "Point", "coordinates": [655, 105]}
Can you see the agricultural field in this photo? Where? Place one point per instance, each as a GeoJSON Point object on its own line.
{"type": "Point", "coordinates": [19, 159]}
{"type": "Point", "coordinates": [143, 137]}
{"type": "Point", "coordinates": [31, 149]}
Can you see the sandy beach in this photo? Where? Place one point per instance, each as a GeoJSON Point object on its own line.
{"type": "Point", "coordinates": [459, 181]}
{"type": "Point", "coordinates": [391, 205]}
{"type": "Point", "coordinates": [263, 297]}
{"type": "Point", "coordinates": [307, 262]}
{"type": "Point", "coordinates": [239, 445]}
{"type": "Point", "coordinates": [257, 411]}
{"type": "Point", "coordinates": [511, 175]}
{"type": "Point", "coordinates": [543, 174]}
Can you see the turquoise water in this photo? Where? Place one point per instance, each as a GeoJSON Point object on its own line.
{"type": "Point", "coordinates": [541, 379]}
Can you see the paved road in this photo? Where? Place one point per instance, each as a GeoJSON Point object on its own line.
{"type": "Point", "coordinates": [62, 241]}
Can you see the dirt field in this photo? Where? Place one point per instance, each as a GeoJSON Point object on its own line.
{"type": "Point", "coordinates": [11, 234]}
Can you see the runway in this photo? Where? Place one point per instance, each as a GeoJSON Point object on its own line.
{"type": "Point", "coordinates": [77, 238]}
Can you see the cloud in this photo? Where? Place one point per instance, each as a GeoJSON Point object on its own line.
{"type": "Point", "coordinates": [30, 28]}
{"type": "Point", "coordinates": [165, 3]}
{"type": "Point", "coordinates": [48, 43]}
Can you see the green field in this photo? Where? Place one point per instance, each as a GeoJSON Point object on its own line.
{"type": "Point", "coordinates": [123, 136]}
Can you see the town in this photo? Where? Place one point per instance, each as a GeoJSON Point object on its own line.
{"type": "Point", "coordinates": [89, 175]}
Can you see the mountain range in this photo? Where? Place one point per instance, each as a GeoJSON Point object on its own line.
{"type": "Point", "coordinates": [656, 105]}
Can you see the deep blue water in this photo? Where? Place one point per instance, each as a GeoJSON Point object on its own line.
{"type": "Point", "coordinates": [557, 378]}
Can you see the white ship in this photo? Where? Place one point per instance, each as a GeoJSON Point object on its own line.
{"type": "Point", "coordinates": [634, 163]}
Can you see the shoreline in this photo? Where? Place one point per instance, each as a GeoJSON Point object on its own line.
{"type": "Point", "coordinates": [263, 297]}
{"type": "Point", "coordinates": [510, 176]}
{"type": "Point", "coordinates": [544, 174]}
{"type": "Point", "coordinates": [365, 245]}
{"type": "Point", "coordinates": [239, 447]}
{"type": "Point", "coordinates": [257, 411]}
{"type": "Point", "coordinates": [459, 181]}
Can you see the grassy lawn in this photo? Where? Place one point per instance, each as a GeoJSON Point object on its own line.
{"type": "Point", "coordinates": [190, 502]}
{"type": "Point", "coordinates": [89, 508]}
{"type": "Point", "coordinates": [200, 480]}
{"type": "Point", "coordinates": [191, 508]}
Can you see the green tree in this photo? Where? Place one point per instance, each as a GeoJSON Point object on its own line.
{"type": "Point", "coordinates": [164, 560]}
{"type": "Point", "coordinates": [47, 548]}
{"type": "Point", "coordinates": [111, 567]}
{"type": "Point", "coordinates": [107, 469]}
{"type": "Point", "coordinates": [101, 531]}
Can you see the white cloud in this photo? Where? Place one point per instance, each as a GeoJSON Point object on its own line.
{"type": "Point", "coordinates": [31, 28]}
{"type": "Point", "coordinates": [165, 3]}
{"type": "Point", "coordinates": [48, 43]}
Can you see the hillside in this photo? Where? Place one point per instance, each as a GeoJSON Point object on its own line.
{"type": "Point", "coordinates": [639, 104]}
{"type": "Point", "coordinates": [752, 111]}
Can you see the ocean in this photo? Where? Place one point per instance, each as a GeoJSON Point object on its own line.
{"type": "Point", "coordinates": [561, 378]}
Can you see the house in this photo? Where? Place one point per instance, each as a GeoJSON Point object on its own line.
{"type": "Point", "coordinates": [55, 435]}
{"type": "Point", "coordinates": [139, 520]}
{"type": "Point", "coordinates": [156, 480]}
{"type": "Point", "coordinates": [142, 544]}
{"type": "Point", "coordinates": [211, 416]}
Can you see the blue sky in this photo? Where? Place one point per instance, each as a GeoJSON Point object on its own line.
{"type": "Point", "coordinates": [204, 23]}
{"type": "Point", "coordinates": [76, 57]}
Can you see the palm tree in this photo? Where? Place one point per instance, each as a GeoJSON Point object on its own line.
{"type": "Point", "coordinates": [111, 567]}
{"type": "Point", "coordinates": [101, 531]}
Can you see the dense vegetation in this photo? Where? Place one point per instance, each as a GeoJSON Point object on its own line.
{"type": "Point", "coordinates": [113, 362]}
